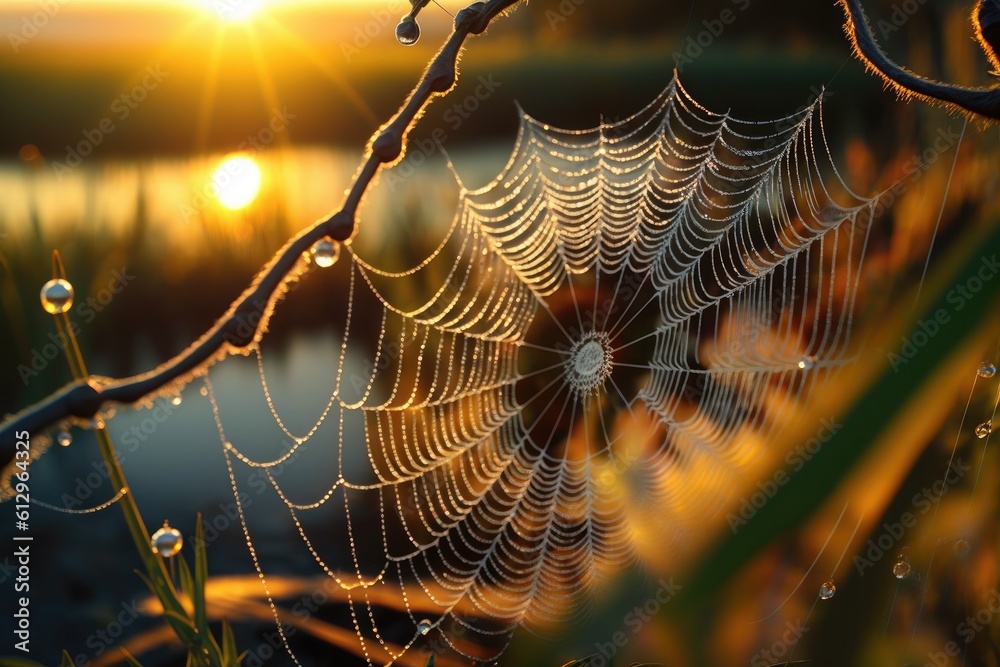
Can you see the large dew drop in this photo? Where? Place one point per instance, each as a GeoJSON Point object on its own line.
{"type": "Point", "coordinates": [986, 370]}
{"type": "Point", "coordinates": [64, 438]}
{"type": "Point", "coordinates": [167, 541]}
{"type": "Point", "coordinates": [57, 296]}
{"type": "Point", "coordinates": [827, 590]}
{"type": "Point", "coordinates": [984, 429]}
{"type": "Point", "coordinates": [901, 570]}
{"type": "Point", "coordinates": [424, 626]}
{"type": "Point", "coordinates": [407, 32]}
{"type": "Point", "coordinates": [325, 253]}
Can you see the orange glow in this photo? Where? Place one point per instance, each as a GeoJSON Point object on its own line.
{"type": "Point", "coordinates": [237, 182]}
{"type": "Point", "coordinates": [233, 11]}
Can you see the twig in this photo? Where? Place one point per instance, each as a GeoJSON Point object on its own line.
{"type": "Point", "coordinates": [239, 327]}
{"type": "Point", "coordinates": [982, 104]}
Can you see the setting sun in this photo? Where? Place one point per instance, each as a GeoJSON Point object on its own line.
{"type": "Point", "coordinates": [237, 182]}
{"type": "Point", "coordinates": [235, 11]}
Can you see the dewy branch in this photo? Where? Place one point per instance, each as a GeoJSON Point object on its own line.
{"type": "Point", "coordinates": [239, 326]}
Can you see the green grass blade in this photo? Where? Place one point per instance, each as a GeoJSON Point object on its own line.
{"type": "Point", "coordinates": [184, 574]}
{"type": "Point", "coordinates": [230, 656]}
{"type": "Point", "coordinates": [200, 578]}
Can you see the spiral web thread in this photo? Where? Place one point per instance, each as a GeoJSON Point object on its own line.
{"type": "Point", "coordinates": [609, 332]}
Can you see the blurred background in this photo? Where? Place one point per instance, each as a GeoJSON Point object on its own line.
{"type": "Point", "coordinates": [168, 147]}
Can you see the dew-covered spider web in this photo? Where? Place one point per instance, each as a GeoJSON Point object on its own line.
{"type": "Point", "coordinates": [608, 332]}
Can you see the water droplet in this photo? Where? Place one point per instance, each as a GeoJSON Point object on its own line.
{"type": "Point", "coordinates": [827, 590]}
{"type": "Point", "coordinates": [986, 370]}
{"type": "Point", "coordinates": [57, 296]}
{"type": "Point", "coordinates": [64, 438]}
{"type": "Point", "coordinates": [96, 424]}
{"type": "Point", "coordinates": [902, 568]}
{"type": "Point", "coordinates": [203, 391]}
{"type": "Point", "coordinates": [806, 363]}
{"type": "Point", "coordinates": [407, 32]}
{"type": "Point", "coordinates": [424, 626]}
{"type": "Point", "coordinates": [176, 400]}
{"type": "Point", "coordinates": [325, 252]}
{"type": "Point", "coordinates": [961, 548]}
{"type": "Point", "coordinates": [167, 541]}
{"type": "Point", "coordinates": [984, 429]}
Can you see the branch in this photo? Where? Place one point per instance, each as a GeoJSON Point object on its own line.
{"type": "Point", "coordinates": [981, 104]}
{"type": "Point", "coordinates": [247, 317]}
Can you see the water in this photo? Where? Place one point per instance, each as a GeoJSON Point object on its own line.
{"type": "Point", "coordinates": [56, 296]}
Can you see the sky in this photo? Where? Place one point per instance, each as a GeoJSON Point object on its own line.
{"type": "Point", "coordinates": [106, 23]}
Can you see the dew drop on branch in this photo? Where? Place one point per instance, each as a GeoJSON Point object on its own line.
{"type": "Point", "coordinates": [325, 253]}
{"type": "Point", "coordinates": [64, 438]}
{"type": "Point", "coordinates": [407, 32]}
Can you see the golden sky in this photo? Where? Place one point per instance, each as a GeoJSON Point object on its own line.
{"type": "Point", "coordinates": [110, 22]}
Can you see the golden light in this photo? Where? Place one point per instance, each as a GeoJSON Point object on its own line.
{"type": "Point", "coordinates": [237, 181]}
{"type": "Point", "coordinates": [234, 11]}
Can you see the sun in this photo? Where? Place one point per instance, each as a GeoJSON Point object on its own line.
{"type": "Point", "coordinates": [237, 181]}
{"type": "Point", "coordinates": [233, 11]}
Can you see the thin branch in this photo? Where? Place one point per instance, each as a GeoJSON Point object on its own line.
{"type": "Point", "coordinates": [982, 104]}
{"type": "Point", "coordinates": [247, 317]}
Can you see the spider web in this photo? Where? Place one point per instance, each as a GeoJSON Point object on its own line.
{"type": "Point", "coordinates": [608, 332]}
